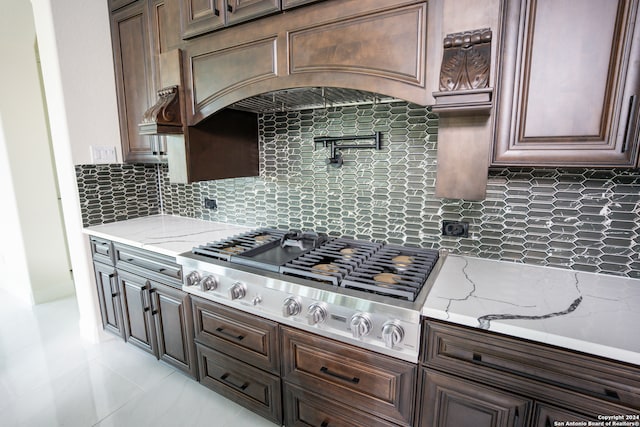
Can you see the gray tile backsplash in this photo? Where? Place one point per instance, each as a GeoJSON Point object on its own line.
{"type": "Point", "coordinates": [583, 219]}
{"type": "Point", "coordinates": [116, 192]}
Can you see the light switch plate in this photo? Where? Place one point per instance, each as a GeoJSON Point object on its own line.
{"type": "Point", "coordinates": [103, 154]}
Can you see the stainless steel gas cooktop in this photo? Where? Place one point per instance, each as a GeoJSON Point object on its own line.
{"type": "Point", "coordinates": [364, 293]}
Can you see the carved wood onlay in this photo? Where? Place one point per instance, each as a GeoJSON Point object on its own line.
{"type": "Point", "coordinates": [164, 117]}
{"type": "Point", "coordinates": [465, 72]}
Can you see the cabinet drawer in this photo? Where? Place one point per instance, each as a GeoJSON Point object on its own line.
{"type": "Point", "coordinates": [255, 389]}
{"type": "Point", "coordinates": [101, 250]}
{"type": "Point", "coordinates": [243, 336]}
{"type": "Point", "coordinates": [148, 264]}
{"type": "Point", "coordinates": [304, 408]}
{"type": "Point", "coordinates": [463, 350]}
{"type": "Point", "coordinates": [379, 384]}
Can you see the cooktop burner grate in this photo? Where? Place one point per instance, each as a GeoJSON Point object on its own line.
{"type": "Point", "coordinates": [332, 261]}
{"type": "Point", "coordinates": [394, 271]}
{"type": "Point", "coordinates": [239, 244]}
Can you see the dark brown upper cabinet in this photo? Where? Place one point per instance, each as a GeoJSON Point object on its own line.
{"type": "Point", "coordinates": [140, 32]}
{"type": "Point", "coordinates": [134, 72]}
{"type": "Point", "coordinates": [568, 84]}
{"type": "Point", "coordinates": [356, 45]}
{"type": "Point", "coordinates": [203, 16]}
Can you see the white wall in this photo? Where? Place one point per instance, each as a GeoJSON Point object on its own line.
{"type": "Point", "coordinates": [77, 68]}
{"type": "Point", "coordinates": [37, 231]}
{"type": "Point", "coordinates": [13, 262]}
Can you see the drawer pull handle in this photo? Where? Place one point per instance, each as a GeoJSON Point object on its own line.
{"type": "Point", "coordinates": [477, 357]}
{"type": "Point", "coordinates": [235, 337]}
{"type": "Point", "coordinates": [612, 394]}
{"type": "Point", "coordinates": [239, 387]}
{"type": "Point", "coordinates": [326, 370]}
{"type": "Point", "coordinates": [325, 423]}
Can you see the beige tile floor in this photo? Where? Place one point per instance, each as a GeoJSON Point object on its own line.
{"type": "Point", "coordinates": [50, 376]}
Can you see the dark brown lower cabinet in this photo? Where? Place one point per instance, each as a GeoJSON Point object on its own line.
{"type": "Point", "coordinates": [471, 377]}
{"type": "Point", "coordinates": [109, 298]}
{"type": "Point", "coordinates": [548, 416]}
{"type": "Point", "coordinates": [304, 408]}
{"type": "Point", "coordinates": [157, 318]}
{"type": "Point", "coordinates": [253, 388]}
{"type": "Point", "coordinates": [139, 328]}
{"type": "Point", "coordinates": [239, 357]}
{"type": "Point", "coordinates": [371, 386]}
{"type": "Point", "coordinates": [448, 401]}
{"type": "Point", "coordinates": [174, 327]}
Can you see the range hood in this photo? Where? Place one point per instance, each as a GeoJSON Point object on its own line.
{"type": "Point", "coordinates": [296, 61]}
{"type": "Point", "coordinates": [309, 98]}
{"type": "Point", "coordinates": [164, 118]}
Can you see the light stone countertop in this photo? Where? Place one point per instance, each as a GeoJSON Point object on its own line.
{"type": "Point", "coordinates": [165, 234]}
{"type": "Point", "coordinates": [592, 313]}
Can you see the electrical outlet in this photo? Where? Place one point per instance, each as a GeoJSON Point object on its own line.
{"type": "Point", "coordinates": [210, 204]}
{"type": "Point", "coordinates": [455, 228]}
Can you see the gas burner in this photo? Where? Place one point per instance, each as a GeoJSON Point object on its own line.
{"type": "Point", "coordinates": [238, 244]}
{"type": "Point", "coordinates": [332, 261]}
{"type": "Point", "coordinates": [394, 271]}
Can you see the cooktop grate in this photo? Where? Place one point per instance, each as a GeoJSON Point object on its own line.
{"type": "Point", "coordinates": [394, 271]}
{"type": "Point", "coordinates": [332, 261]}
{"type": "Point", "coordinates": [239, 244]}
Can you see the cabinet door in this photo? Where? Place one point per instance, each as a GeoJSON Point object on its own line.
{"type": "Point", "coordinates": [171, 309]}
{"type": "Point", "coordinates": [201, 16]}
{"type": "Point", "coordinates": [568, 83]}
{"type": "Point", "coordinates": [109, 298]}
{"type": "Point", "coordinates": [243, 10]}
{"type": "Point", "coordinates": [134, 79]}
{"type": "Point", "coordinates": [449, 401]}
{"type": "Point", "coordinates": [548, 416]}
{"type": "Point", "coordinates": [136, 311]}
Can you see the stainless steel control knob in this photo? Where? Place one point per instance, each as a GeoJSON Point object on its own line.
{"type": "Point", "coordinates": [291, 307]}
{"type": "Point", "coordinates": [392, 334]}
{"type": "Point", "coordinates": [360, 325]}
{"type": "Point", "coordinates": [317, 313]}
{"type": "Point", "coordinates": [209, 283]}
{"type": "Point", "coordinates": [237, 291]}
{"type": "Point", "coordinates": [192, 278]}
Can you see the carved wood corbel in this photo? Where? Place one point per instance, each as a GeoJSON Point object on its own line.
{"type": "Point", "coordinates": [465, 72]}
{"type": "Point", "coordinates": [164, 117]}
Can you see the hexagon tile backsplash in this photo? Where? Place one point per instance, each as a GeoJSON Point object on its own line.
{"type": "Point", "coordinates": [583, 219]}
